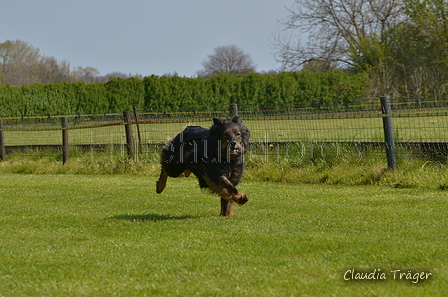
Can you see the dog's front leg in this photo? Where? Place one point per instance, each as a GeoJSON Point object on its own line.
{"type": "Point", "coordinates": [229, 194]}
{"type": "Point", "coordinates": [236, 196]}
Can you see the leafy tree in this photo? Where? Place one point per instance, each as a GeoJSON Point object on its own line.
{"type": "Point", "coordinates": [419, 48]}
{"type": "Point", "coordinates": [19, 62]}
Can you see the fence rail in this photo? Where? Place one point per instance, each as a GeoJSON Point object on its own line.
{"type": "Point", "coordinates": [309, 132]}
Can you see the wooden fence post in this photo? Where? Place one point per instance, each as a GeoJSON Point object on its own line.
{"type": "Point", "coordinates": [389, 133]}
{"type": "Point", "coordinates": [129, 136]}
{"type": "Point", "coordinates": [138, 127]}
{"type": "Point", "coordinates": [64, 122]}
{"type": "Point", "coordinates": [233, 110]}
{"type": "Point", "coordinates": [2, 142]}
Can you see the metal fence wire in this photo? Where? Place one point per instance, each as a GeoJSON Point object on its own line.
{"type": "Point", "coordinates": [278, 132]}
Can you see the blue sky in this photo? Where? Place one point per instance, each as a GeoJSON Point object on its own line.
{"type": "Point", "coordinates": [144, 37]}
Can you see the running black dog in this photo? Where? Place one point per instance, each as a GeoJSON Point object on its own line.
{"type": "Point", "coordinates": [214, 155]}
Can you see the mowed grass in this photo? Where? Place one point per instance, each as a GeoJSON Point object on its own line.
{"type": "Point", "coordinates": [98, 235]}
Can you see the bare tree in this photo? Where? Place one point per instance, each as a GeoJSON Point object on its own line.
{"type": "Point", "coordinates": [229, 59]}
{"type": "Point", "coordinates": [85, 74]}
{"type": "Point", "coordinates": [65, 71]}
{"type": "Point", "coordinates": [48, 70]}
{"type": "Point", "coordinates": [340, 33]}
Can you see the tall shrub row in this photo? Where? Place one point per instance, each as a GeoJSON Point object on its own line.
{"type": "Point", "coordinates": [332, 89]}
{"type": "Point", "coordinates": [303, 88]}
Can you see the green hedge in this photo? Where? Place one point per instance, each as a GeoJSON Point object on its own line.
{"type": "Point", "coordinates": [305, 89]}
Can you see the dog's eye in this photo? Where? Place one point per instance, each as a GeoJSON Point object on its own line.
{"type": "Point", "coordinates": [238, 133]}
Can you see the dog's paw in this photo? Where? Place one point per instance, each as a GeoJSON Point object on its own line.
{"type": "Point", "coordinates": [240, 198]}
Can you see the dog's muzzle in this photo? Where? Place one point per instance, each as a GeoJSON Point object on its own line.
{"type": "Point", "coordinates": [234, 148]}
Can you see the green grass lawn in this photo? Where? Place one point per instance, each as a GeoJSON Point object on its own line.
{"type": "Point", "coordinates": [98, 235]}
{"type": "Point", "coordinates": [347, 128]}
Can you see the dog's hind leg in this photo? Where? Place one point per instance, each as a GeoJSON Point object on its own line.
{"type": "Point", "coordinates": [226, 208]}
{"type": "Point", "coordinates": [161, 183]}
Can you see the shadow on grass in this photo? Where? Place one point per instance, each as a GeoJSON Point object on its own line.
{"type": "Point", "coordinates": [149, 217]}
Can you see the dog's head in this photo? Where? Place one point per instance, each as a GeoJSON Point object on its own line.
{"type": "Point", "coordinates": [232, 136]}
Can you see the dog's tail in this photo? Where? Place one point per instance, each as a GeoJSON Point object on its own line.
{"type": "Point", "coordinates": [161, 183]}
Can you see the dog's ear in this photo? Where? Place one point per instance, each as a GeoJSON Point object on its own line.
{"type": "Point", "coordinates": [237, 120]}
{"type": "Point", "coordinates": [217, 122]}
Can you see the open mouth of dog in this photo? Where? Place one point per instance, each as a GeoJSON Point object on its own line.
{"type": "Point", "coordinates": [235, 151]}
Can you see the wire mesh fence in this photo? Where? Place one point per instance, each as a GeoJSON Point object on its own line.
{"type": "Point", "coordinates": [278, 132]}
